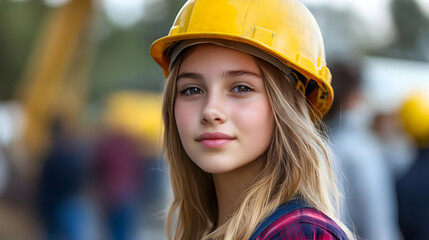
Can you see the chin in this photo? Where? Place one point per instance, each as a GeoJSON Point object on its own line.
{"type": "Point", "coordinates": [215, 167]}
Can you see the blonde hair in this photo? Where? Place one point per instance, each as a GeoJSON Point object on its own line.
{"type": "Point", "coordinates": [296, 164]}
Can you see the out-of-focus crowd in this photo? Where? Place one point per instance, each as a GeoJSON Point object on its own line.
{"type": "Point", "coordinates": [383, 158]}
{"type": "Point", "coordinates": [105, 182]}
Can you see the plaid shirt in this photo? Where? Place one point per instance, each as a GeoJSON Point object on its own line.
{"type": "Point", "coordinates": [303, 223]}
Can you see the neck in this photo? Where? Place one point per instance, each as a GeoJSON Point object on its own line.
{"type": "Point", "coordinates": [230, 187]}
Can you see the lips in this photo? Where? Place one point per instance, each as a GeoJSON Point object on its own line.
{"type": "Point", "coordinates": [214, 140]}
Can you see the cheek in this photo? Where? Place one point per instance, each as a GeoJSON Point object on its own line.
{"type": "Point", "coordinates": [257, 121]}
{"type": "Point", "coordinates": [185, 117]}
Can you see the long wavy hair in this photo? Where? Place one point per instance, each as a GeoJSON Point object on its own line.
{"type": "Point", "coordinates": [296, 164]}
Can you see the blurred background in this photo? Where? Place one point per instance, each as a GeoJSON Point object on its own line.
{"type": "Point", "coordinates": [80, 121]}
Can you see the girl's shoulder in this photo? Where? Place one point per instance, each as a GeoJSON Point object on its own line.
{"type": "Point", "coordinates": [301, 223]}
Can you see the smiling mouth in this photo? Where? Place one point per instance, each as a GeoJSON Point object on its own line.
{"type": "Point", "coordinates": [214, 143]}
{"type": "Point", "coordinates": [214, 140]}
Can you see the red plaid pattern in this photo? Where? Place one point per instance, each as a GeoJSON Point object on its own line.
{"type": "Point", "coordinates": [304, 223]}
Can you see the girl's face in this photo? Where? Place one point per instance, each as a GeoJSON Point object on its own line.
{"type": "Point", "coordinates": [222, 110]}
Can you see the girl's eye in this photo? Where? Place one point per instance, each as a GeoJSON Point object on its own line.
{"type": "Point", "coordinates": [191, 91]}
{"type": "Point", "coordinates": [241, 89]}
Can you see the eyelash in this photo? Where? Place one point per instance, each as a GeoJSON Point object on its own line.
{"type": "Point", "coordinates": [247, 89]}
{"type": "Point", "coordinates": [186, 90]}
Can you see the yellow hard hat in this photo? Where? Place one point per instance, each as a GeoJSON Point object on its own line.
{"type": "Point", "coordinates": [138, 113]}
{"type": "Point", "coordinates": [415, 117]}
{"type": "Point", "coordinates": [283, 29]}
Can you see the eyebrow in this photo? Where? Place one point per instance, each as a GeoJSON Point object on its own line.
{"type": "Point", "coordinates": [239, 73]}
{"type": "Point", "coordinates": [190, 75]}
{"type": "Point", "coordinates": [228, 74]}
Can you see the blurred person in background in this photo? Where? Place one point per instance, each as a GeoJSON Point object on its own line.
{"type": "Point", "coordinates": [117, 166]}
{"type": "Point", "coordinates": [413, 187]}
{"type": "Point", "coordinates": [366, 179]}
{"type": "Point", "coordinates": [130, 173]}
{"type": "Point", "coordinates": [396, 145]}
{"type": "Point", "coordinates": [62, 206]}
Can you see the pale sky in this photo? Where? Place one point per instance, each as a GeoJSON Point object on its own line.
{"type": "Point", "coordinates": [127, 12]}
{"type": "Point", "coordinates": [363, 7]}
{"type": "Point", "coordinates": [401, 76]}
{"type": "Point", "coordinates": [374, 13]}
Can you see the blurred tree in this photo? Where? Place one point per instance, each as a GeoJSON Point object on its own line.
{"type": "Point", "coordinates": [19, 26]}
{"type": "Point", "coordinates": [344, 32]}
{"type": "Point", "coordinates": [122, 56]}
{"type": "Point", "coordinates": [412, 32]}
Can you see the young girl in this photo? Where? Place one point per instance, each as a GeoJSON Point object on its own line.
{"type": "Point", "coordinates": [247, 84]}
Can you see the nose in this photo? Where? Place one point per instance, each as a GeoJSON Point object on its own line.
{"type": "Point", "coordinates": [213, 111]}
